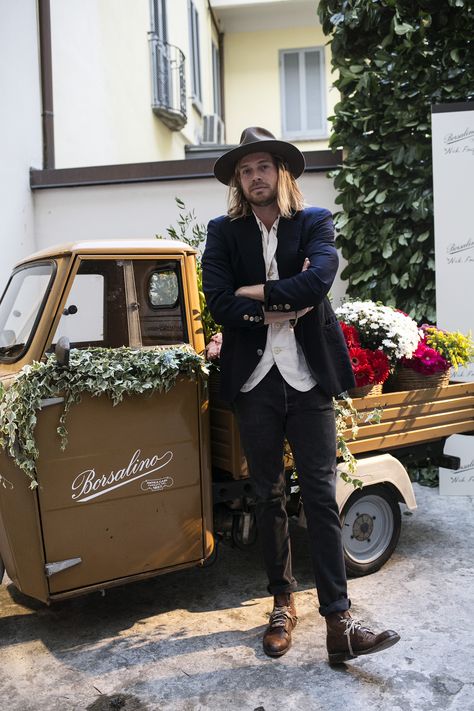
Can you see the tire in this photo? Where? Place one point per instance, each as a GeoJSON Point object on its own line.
{"type": "Point", "coordinates": [371, 523]}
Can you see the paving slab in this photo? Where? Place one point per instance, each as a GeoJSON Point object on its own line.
{"type": "Point", "coordinates": [191, 641]}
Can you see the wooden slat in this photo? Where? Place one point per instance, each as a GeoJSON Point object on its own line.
{"type": "Point", "coordinates": [403, 439]}
{"type": "Point", "coordinates": [390, 414]}
{"type": "Point", "coordinates": [410, 397]}
{"type": "Point", "coordinates": [410, 423]}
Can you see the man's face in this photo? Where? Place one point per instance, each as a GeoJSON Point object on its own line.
{"type": "Point", "coordinates": [259, 177]}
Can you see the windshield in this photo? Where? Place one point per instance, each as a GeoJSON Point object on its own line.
{"type": "Point", "coordinates": [20, 308]}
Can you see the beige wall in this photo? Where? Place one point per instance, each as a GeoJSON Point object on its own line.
{"type": "Point", "coordinates": [252, 79]}
{"type": "Point", "coordinates": [142, 210]}
{"type": "Point", "coordinates": [20, 130]}
{"type": "Point", "coordinates": [102, 81]}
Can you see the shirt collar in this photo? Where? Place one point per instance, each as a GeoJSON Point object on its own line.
{"type": "Point", "coordinates": [262, 226]}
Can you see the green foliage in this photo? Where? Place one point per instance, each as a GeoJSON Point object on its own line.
{"type": "Point", "coordinates": [114, 372]}
{"type": "Point", "coordinates": [393, 59]}
{"type": "Point", "coordinates": [345, 413]}
{"type": "Point", "coordinates": [191, 232]}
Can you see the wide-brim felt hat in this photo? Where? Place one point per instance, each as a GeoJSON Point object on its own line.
{"type": "Point", "coordinates": [255, 140]}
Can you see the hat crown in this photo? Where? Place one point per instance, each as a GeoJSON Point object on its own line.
{"type": "Point", "coordinates": [253, 140]}
{"type": "Point", "coordinates": [255, 133]}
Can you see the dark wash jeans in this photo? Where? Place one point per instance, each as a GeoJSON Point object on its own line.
{"type": "Point", "coordinates": [266, 414]}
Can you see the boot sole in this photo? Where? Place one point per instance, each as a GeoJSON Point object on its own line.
{"type": "Point", "coordinates": [277, 654]}
{"type": "Point", "coordinates": [340, 657]}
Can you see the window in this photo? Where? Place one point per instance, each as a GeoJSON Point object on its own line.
{"type": "Point", "coordinates": [195, 53]}
{"type": "Point", "coordinates": [95, 313]}
{"type": "Point", "coordinates": [21, 307]}
{"type": "Point", "coordinates": [129, 302]}
{"type": "Point", "coordinates": [303, 93]}
{"type": "Point", "coordinates": [216, 80]}
{"type": "Point", "coordinates": [158, 14]}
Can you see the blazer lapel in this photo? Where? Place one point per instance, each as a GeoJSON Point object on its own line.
{"type": "Point", "coordinates": [289, 254]}
{"type": "Point", "coordinates": [248, 240]}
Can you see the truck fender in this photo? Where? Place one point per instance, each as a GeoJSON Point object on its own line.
{"type": "Point", "coordinates": [380, 469]}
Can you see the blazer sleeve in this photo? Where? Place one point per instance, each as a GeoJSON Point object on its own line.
{"type": "Point", "coordinates": [218, 282]}
{"type": "Point", "coordinates": [311, 286]}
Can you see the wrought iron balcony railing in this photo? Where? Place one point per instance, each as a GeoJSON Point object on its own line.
{"type": "Point", "coordinates": [168, 83]}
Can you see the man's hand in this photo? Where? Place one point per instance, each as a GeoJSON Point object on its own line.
{"type": "Point", "coordinates": [251, 292]}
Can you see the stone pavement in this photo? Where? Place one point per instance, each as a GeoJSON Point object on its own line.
{"type": "Point", "coordinates": [191, 641]}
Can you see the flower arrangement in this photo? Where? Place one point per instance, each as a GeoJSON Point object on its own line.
{"type": "Point", "coordinates": [380, 328]}
{"type": "Point", "coordinates": [439, 350]}
{"type": "Point", "coordinates": [370, 367]}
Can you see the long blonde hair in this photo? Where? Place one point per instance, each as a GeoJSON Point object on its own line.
{"type": "Point", "coordinates": [289, 196]}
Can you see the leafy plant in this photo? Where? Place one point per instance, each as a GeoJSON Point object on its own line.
{"type": "Point", "coordinates": [348, 417]}
{"type": "Point", "coordinates": [393, 59]}
{"type": "Point", "coordinates": [190, 231]}
{"type": "Point", "coordinates": [114, 372]}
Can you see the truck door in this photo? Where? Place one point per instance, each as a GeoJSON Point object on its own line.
{"type": "Point", "coordinates": [125, 497]}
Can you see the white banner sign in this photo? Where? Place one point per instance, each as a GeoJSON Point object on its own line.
{"type": "Point", "coordinates": [453, 185]}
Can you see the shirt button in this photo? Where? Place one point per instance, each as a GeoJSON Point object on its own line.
{"type": "Point", "coordinates": [277, 350]}
{"type": "Point", "coordinates": [259, 352]}
{"type": "Point", "coordinates": [277, 325]}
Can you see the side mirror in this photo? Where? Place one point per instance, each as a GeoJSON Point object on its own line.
{"type": "Point", "coordinates": [62, 351]}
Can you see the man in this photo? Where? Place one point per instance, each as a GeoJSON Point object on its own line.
{"type": "Point", "coordinates": [267, 268]}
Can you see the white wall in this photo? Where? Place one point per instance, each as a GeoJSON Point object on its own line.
{"type": "Point", "coordinates": [142, 210]}
{"type": "Point", "coordinates": [20, 129]}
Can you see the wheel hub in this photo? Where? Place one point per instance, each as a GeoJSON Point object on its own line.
{"type": "Point", "coordinates": [362, 527]}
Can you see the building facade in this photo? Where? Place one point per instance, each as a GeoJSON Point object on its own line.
{"type": "Point", "coordinates": [112, 108]}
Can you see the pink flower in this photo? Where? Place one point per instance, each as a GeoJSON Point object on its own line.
{"type": "Point", "coordinates": [426, 360]}
{"type": "Point", "coordinates": [213, 348]}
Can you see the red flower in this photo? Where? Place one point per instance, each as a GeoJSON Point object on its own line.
{"type": "Point", "coordinates": [358, 357]}
{"type": "Point", "coordinates": [351, 335]}
{"type": "Point", "coordinates": [363, 374]}
{"type": "Point", "coordinates": [380, 365]}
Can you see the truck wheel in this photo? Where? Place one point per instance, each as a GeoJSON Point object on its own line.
{"type": "Point", "coordinates": [371, 523]}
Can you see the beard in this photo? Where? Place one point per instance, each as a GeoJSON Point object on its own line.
{"type": "Point", "coordinates": [267, 198]}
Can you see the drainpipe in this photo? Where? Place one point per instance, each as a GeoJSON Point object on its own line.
{"type": "Point", "coordinates": [220, 47]}
{"type": "Point", "coordinates": [46, 79]}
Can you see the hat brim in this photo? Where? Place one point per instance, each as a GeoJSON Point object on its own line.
{"type": "Point", "coordinates": [224, 167]}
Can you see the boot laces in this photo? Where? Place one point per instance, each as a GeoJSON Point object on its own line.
{"type": "Point", "coordinates": [352, 626]}
{"type": "Point", "coordinates": [279, 616]}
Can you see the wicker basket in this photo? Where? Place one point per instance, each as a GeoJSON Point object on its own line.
{"type": "Point", "coordinates": [408, 379]}
{"type": "Point", "coordinates": [364, 390]}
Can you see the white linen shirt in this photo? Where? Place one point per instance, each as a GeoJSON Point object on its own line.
{"type": "Point", "coordinates": [281, 347]}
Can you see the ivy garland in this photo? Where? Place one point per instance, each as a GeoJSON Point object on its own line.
{"type": "Point", "coordinates": [393, 59]}
{"type": "Point", "coordinates": [114, 372]}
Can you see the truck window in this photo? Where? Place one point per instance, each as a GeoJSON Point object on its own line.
{"type": "Point", "coordinates": [21, 306]}
{"type": "Point", "coordinates": [95, 313]}
{"type": "Point", "coordinates": [161, 301]}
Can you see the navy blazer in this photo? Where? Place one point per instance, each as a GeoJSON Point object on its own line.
{"type": "Point", "coordinates": [233, 257]}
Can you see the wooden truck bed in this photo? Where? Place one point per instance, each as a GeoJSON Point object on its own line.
{"type": "Point", "coordinates": [410, 417]}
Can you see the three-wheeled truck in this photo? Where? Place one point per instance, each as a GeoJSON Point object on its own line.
{"type": "Point", "coordinates": [144, 487]}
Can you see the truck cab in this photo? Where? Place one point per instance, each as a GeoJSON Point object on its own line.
{"type": "Point", "coordinates": [152, 512]}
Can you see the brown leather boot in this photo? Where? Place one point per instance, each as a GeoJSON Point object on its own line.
{"type": "Point", "coordinates": [277, 637]}
{"type": "Point", "coordinates": [347, 639]}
